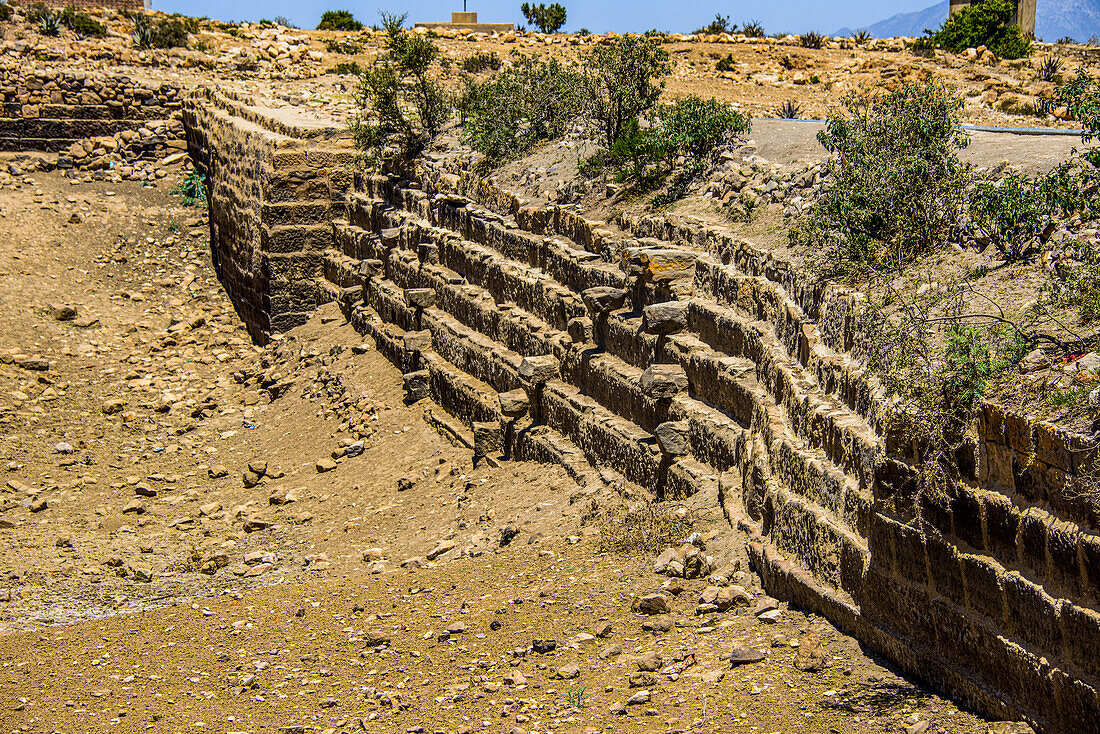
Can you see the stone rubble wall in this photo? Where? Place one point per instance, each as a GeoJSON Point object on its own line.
{"type": "Point", "coordinates": [51, 109]}
{"type": "Point", "coordinates": [688, 360]}
{"type": "Point", "coordinates": [272, 191]}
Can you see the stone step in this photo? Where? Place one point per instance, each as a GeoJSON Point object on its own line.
{"type": "Point", "coordinates": [843, 437]}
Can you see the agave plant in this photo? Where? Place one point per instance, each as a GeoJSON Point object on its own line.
{"type": "Point", "coordinates": [789, 110]}
{"type": "Point", "coordinates": [1048, 69]}
{"type": "Point", "coordinates": [144, 34]}
{"type": "Point", "coordinates": [861, 37]}
{"type": "Point", "coordinates": [753, 29]}
{"type": "Point", "coordinates": [812, 39]}
{"type": "Point", "coordinates": [50, 24]}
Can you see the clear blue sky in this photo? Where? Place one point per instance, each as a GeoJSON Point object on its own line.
{"type": "Point", "coordinates": [678, 17]}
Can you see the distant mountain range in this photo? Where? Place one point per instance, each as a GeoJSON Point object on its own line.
{"type": "Point", "coordinates": [1054, 19]}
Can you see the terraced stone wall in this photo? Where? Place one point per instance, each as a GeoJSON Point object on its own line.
{"type": "Point", "coordinates": [50, 109]}
{"type": "Point", "coordinates": [688, 360]}
{"type": "Point", "coordinates": [273, 189]}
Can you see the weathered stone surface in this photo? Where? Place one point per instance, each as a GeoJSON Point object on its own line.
{"type": "Point", "coordinates": [417, 385]}
{"type": "Point", "coordinates": [604, 298]}
{"type": "Point", "coordinates": [420, 297]}
{"type": "Point", "coordinates": [514, 403]}
{"type": "Point", "coordinates": [663, 381]}
{"type": "Point", "coordinates": [539, 369]}
{"type": "Point", "coordinates": [674, 437]}
{"type": "Point", "coordinates": [417, 341]}
{"type": "Point", "coordinates": [665, 318]}
{"type": "Point", "coordinates": [488, 439]}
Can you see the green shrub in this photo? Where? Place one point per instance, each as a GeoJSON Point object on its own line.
{"type": "Point", "coordinates": [82, 24]}
{"type": "Point", "coordinates": [1081, 98]}
{"type": "Point", "coordinates": [623, 83]}
{"type": "Point", "coordinates": [1009, 213]}
{"type": "Point", "coordinates": [342, 46]}
{"type": "Point", "coordinates": [481, 61]}
{"type": "Point", "coordinates": [547, 18]}
{"type": "Point", "coordinates": [989, 23]}
{"type": "Point", "coordinates": [727, 64]}
{"type": "Point", "coordinates": [896, 185]}
{"type": "Point", "coordinates": [682, 141]}
{"type": "Point", "coordinates": [532, 101]}
{"type": "Point", "coordinates": [346, 68]}
{"type": "Point", "coordinates": [720, 24]}
{"type": "Point", "coordinates": [401, 107]}
{"type": "Point", "coordinates": [936, 361]}
{"type": "Point", "coordinates": [338, 20]}
{"type": "Point", "coordinates": [191, 189]}
{"type": "Point", "coordinates": [170, 32]}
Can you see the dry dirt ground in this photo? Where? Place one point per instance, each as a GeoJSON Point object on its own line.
{"type": "Point", "coordinates": [143, 591]}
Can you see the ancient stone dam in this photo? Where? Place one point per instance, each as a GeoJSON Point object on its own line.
{"type": "Point", "coordinates": [688, 361]}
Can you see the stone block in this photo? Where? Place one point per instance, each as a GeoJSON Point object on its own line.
{"type": "Point", "coordinates": [580, 330]}
{"type": "Point", "coordinates": [1032, 614]}
{"type": "Point", "coordinates": [665, 318]}
{"type": "Point", "coordinates": [663, 381]}
{"type": "Point", "coordinates": [427, 253]}
{"type": "Point", "coordinates": [969, 525]}
{"type": "Point", "coordinates": [417, 341]}
{"type": "Point", "coordinates": [540, 369]}
{"type": "Point", "coordinates": [1001, 522]}
{"type": "Point", "coordinates": [674, 437]}
{"type": "Point", "coordinates": [420, 297]}
{"type": "Point", "coordinates": [514, 403]}
{"type": "Point", "coordinates": [659, 264]}
{"type": "Point", "coordinates": [1032, 540]}
{"type": "Point", "coordinates": [945, 568]}
{"type": "Point", "coordinates": [604, 298]}
{"type": "Point", "coordinates": [1063, 565]}
{"type": "Point", "coordinates": [488, 438]}
{"type": "Point", "coordinates": [370, 268]}
{"type": "Point", "coordinates": [984, 591]}
{"type": "Point", "coordinates": [417, 385]}
{"type": "Point", "coordinates": [1082, 637]}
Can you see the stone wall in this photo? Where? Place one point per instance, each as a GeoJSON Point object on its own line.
{"type": "Point", "coordinates": [688, 360]}
{"type": "Point", "coordinates": [273, 187]}
{"type": "Point", "coordinates": [51, 109]}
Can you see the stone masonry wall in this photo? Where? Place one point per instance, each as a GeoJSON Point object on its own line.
{"type": "Point", "coordinates": [50, 109]}
{"type": "Point", "coordinates": [273, 188]}
{"type": "Point", "coordinates": [688, 360]}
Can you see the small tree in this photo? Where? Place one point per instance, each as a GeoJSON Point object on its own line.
{"type": "Point", "coordinates": [338, 20]}
{"type": "Point", "coordinates": [623, 83]}
{"type": "Point", "coordinates": [990, 23]}
{"type": "Point", "coordinates": [401, 106]}
{"type": "Point", "coordinates": [548, 18]}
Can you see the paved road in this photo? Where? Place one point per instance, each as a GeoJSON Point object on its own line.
{"type": "Point", "coordinates": [790, 140]}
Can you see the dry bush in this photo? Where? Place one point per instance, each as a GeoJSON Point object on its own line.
{"type": "Point", "coordinates": [642, 528]}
